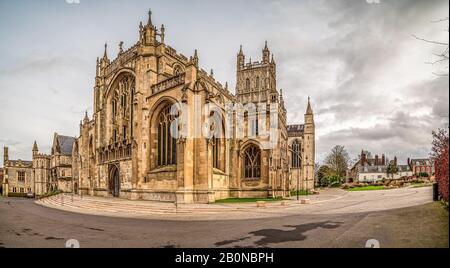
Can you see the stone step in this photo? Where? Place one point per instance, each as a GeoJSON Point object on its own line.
{"type": "Point", "coordinates": [126, 206]}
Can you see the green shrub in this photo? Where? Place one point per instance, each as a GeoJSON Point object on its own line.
{"type": "Point", "coordinates": [17, 195]}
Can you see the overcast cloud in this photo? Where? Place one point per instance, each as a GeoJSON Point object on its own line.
{"type": "Point", "coordinates": [365, 73]}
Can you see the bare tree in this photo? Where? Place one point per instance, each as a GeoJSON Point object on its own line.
{"type": "Point", "coordinates": [443, 56]}
{"type": "Point", "coordinates": [338, 160]}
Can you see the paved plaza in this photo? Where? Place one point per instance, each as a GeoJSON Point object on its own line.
{"type": "Point", "coordinates": [335, 218]}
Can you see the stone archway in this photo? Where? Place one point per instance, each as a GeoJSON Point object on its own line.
{"type": "Point", "coordinates": [75, 188]}
{"type": "Point", "coordinates": [114, 181]}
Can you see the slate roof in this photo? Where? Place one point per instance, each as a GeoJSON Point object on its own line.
{"type": "Point", "coordinates": [19, 162]}
{"type": "Point", "coordinates": [421, 162]}
{"type": "Point", "coordinates": [381, 169]}
{"type": "Point", "coordinates": [66, 144]}
{"type": "Point", "coordinates": [295, 128]}
{"type": "Point", "coordinates": [372, 169]}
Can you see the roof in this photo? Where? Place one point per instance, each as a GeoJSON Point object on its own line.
{"type": "Point", "coordinates": [22, 163]}
{"type": "Point", "coordinates": [372, 169]}
{"type": "Point", "coordinates": [421, 162]}
{"type": "Point", "coordinates": [295, 128]}
{"type": "Point", "coordinates": [381, 169]}
{"type": "Point", "coordinates": [66, 144]}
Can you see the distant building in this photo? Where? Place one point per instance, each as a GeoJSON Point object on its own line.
{"type": "Point", "coordinates": [61, 162]}
{"type": "Point", "coordinates": [376, 169]}
{"type": "Point", "coordinates": [18, 175]}
{"type": "Point", "coordinates": [420, 166]}
{"type": "Point", "coordinates": [45, 173]}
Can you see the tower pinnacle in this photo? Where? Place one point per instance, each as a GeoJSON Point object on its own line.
{"type": "Point", "coordinates": [149, 23]}
{"type": "Point", "coordinates": [309, 109]}
{"type": "Point", "coordinates": [105, 54]}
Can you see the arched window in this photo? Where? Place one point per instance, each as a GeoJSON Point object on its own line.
{"type": "Point", "coordinates": [177, 70]}
{"type": "Point", "coordinates": [257, 82]}
{"type": "Point", "coordinates": [252, 162]}
{"type": "Point", "coordinates": [167, 150]}
{"type": "Point", "coordinates": [296, 154]}
{"type": "Point", "coordinates": [247, 84]}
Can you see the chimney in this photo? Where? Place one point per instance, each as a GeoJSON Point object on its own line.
{"type": "Point", "coordinates": [377, 160]}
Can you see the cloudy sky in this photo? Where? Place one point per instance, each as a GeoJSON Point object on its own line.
{"type": "Point", "coordinates": [367, 76]}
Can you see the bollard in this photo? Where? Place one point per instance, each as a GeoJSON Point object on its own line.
{"type": "Point", "coordinates": [261, 204]}
{"type": "Point", "coordinates": [435, 191]}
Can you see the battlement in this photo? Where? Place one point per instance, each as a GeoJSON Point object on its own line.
{"type": "Point", "coordinates": [173, 52]}
{"type": "Point", "coordinates": [42, 156]}
{"type": "Point", "coordinates": [255, 64]}
{"type": "Point", "coordinates": [121, 59]}
{"type": "Point", "coordinates": [210, 78]}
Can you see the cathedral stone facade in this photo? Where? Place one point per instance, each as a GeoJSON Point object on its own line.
{"type": "Point", "coordinates": [129, 148]}
{"type": "Point", "coordinates": [164, 129]}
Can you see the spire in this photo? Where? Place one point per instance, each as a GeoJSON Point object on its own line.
{"type": "Point", "coordinates": [149, 23]}
{"type": "Point", "coordinates": [105, 55]}
{"type": "Point", "coordinates": [266, 54]}
{"type": "Point", "coordinates": [241, 52]}
{"type": "Point", "coordinates": [163, 33]}
{"type": "Point", "coordinates": [266, 48]}
{"type": "Point", "coordinates": [120, 47]}
{"type": "Point", "coordinates": [195, 58]}
{"type": "Point", "coordinates": [272, 60]}
{"type": "Point", "coordinates": [35, 148]}
{"type": "Point", "coordinates": [86, 117]}
{"type": "Point", "coordinates": [309, 109]}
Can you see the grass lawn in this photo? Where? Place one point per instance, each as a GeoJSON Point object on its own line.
{"type": "Point", "coordinates": [301, 192]}
{"type": "Point", "coordinates": [367, 188]}
{"type": "Point", "coordinates": [248, 200]}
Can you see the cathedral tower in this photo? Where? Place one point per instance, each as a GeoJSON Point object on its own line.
{"type": "Point", "coordinates": [256, 81]}
{"type": "Point", "coordinates": [309, 147]}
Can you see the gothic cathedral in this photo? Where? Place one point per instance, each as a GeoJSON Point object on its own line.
{"type": "Point", "coordinates": [164, 129]}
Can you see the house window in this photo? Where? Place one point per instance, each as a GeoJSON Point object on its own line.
{"type": "Point", "coordinates": [296, 154]}
{"type": "Point", "coordinates": [252, 162]}
{"type": "Point", "coordinates": [167, 150]}
{"type": "Point", "coordinates": [21, 176]}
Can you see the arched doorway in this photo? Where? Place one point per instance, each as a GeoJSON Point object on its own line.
{"type": "Point", "coordinates": [114, 181]}
{"type": "Point", "coordinates": [75, 188]}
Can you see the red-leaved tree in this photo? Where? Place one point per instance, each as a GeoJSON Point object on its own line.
{"type": "Point", "coordinates": [439, 154]}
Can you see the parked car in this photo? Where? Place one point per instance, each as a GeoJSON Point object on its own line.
{"type": "Point", "coordinates": [30, 194]}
